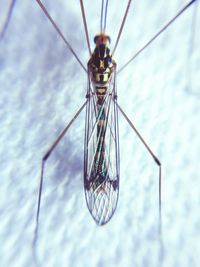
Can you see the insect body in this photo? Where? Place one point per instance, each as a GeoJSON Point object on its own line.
{"type": "Point", "coordinates": [101, 168]}
{"type": "Point", "coordinates": [101, 150]}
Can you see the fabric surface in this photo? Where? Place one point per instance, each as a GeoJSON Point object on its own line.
{"type": "Point", "coordinates": [42, 86]}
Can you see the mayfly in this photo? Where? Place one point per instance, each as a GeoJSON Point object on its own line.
{"type": "Point", "coordinates": [101, 148]}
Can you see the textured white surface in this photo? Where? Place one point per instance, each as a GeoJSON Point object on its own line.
{"type": "Point", "coordinates": [41, 88]}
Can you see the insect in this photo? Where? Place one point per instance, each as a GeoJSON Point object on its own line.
{"type": "Point", "coordinates": [101, 148]}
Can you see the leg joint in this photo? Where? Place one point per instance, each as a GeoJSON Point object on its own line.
{"type": "Point", "coordinates": [157, 161]}
{"type": "Point", "coordinates": [46, 156]}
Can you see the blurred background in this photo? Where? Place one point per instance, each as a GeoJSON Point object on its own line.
{"type": "Point", "coordinates": [42, 86]}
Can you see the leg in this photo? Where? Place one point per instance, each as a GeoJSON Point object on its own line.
{"type": "Point", "coordinates": [156, 35]}
{"type": "Point", "coordinates": [46, 156]}
{"type": "Point", "coordinates": [122, 26]}
{"type": "Point", "coordinates": [85, 26]}
{"type": "Point", "coordinates": [60, 33]}
{"type": "Point", "coordinates": [9, 14]}
{"type": "Point", "coordinates": [153, 156]}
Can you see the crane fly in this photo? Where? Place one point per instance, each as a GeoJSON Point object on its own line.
{"type": "Point", "coordinates": [101, 148]}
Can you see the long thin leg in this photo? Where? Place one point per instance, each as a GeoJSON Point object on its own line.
{"type": "Point", "coordinates": [151, 153]}
{"type": "Point", "coordinates": [9, 14]}
{"type": "Point", "coordinates": [85, 26]}
{"type": "Point", "coordinates": [156, 35]}
{"type": "Point", "coordinates": [122, 26]}
{"type": "Point", "coordinates": [46, 156]}
{"type": "Point", "coordinates": [60, 33]}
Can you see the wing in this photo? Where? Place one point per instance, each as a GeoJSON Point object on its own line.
{"type": "Point", "coordinates": [101, 154]}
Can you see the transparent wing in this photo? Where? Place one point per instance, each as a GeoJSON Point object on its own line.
{"type": "Point", "coordinates": [101, 155]}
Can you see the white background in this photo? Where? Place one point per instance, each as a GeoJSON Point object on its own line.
{"type": "Point", "coordinates": [41, 87]}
